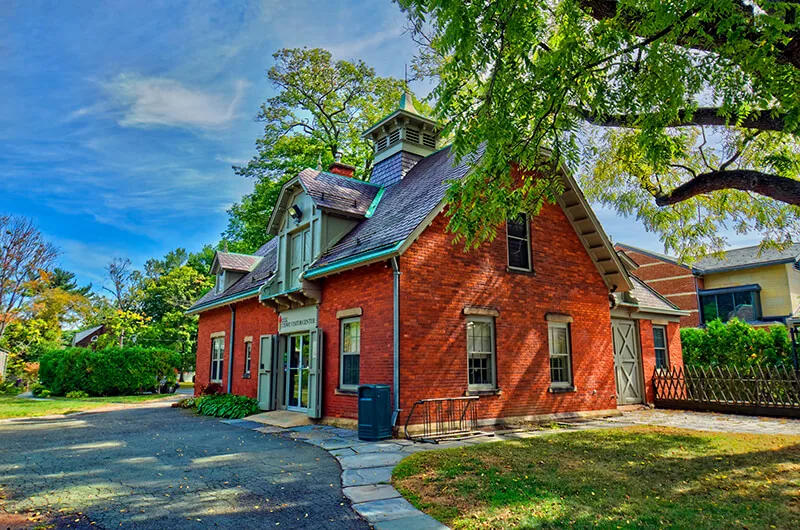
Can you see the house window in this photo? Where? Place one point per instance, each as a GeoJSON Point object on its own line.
{"type": "Point", "coordinates": [248, 351]}
{"type": "Point", "coordinates": [660, 345]}
{"type": "Point", "coordinates": [481, 353]}
{"type": "Point", "coordinates": [726, 304]}
{"type": "Point", "coordinates": [217, 352]}
{"type": "Point", "coordinates": [519, 244]}
{"type": "Point", "coordinates": [350, 353]}
{"type": "Point", "coordinates": [220, 281]}
{"type": "Point", "coordinates": [560, 363]}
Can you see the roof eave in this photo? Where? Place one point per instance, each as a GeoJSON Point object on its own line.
{"type": "Point", "coordinates": [222, 301]}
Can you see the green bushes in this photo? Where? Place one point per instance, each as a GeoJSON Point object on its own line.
{"type": "Point", "coordinates": [77, 394]}
{"type": "Point", "coordinates": [226, 406]}
{"type": "Point", "coordinates": [107, 372]}
{"type": "Point", "coordinates": [736, 344]}
{"type": "Point", "coordinates": [39, 390]}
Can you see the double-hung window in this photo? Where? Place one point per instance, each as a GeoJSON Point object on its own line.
{"type": "Point", "coordinates": [560, 362]}
{"type": "Point", "coordinates": [217, 354]}
{"type": "Point", "coordinates": [518, 238]}
{"type": "Point", "coordinates": [248, 353]}
{"type": "Point", "coordinates": [350, 353]}
{"type": "Point", "coordinates": [481, 353]}
{"type": "Point", "coordinates": [660, 345]}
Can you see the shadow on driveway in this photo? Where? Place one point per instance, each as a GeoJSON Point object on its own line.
{"type": "Point", "coordinates": [157, 467]}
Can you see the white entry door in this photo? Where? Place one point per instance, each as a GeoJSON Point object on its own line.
{"type": "Point", "coordinates": [627, 362]}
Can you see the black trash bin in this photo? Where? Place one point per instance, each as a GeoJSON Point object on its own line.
{"type": "Point", "coordinates": [374, 413]}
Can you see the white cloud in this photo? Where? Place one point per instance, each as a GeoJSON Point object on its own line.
{"type": "Point", "coordinates": [154, 101]}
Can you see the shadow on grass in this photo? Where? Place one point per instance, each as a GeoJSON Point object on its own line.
{"type": "Point", "coordinates": [620, 478]}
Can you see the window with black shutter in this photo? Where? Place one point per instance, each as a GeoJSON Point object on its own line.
{"type": "Point", "coordinates": [519, 244]}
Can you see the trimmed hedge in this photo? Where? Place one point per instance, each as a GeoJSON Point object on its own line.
{"type": "Point", "coordinates": [227, 406]}
{"type": "Point", "coordinates": [107, 372]}
{"type": "Point", "coordinates": [736, 344]}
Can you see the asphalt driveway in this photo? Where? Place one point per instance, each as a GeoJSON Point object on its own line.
{"type": "Point", "coordinates": [157, 467]}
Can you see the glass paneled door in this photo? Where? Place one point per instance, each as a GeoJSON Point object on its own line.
{"type": "Point", "coordinates": [297, 364]}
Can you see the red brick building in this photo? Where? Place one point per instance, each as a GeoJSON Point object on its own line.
{"type": "Point", "coordinates": [361, 284]}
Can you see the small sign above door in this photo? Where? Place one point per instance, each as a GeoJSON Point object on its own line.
{"type": "Point", "coordinates": [300, 319]}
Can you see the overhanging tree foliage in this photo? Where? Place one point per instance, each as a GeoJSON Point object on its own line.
{"type": "Point", "coordinates": [698, 98]}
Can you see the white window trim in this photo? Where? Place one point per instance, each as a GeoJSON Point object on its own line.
{"type": "Point", "coordinates": [666, 347]}
{"type": "Point", "coordinates": [221, 360]}
{"type": "Point", "coordinates": [565, 326]}
{"type": "Point", "coordinates": [492, 358]}
{"type": "Point", "coordinates": [248, 357]}
{"type": "Point", "coordinates": [342, 353]}
{"type": "Point", "coordinates": [527, 246]}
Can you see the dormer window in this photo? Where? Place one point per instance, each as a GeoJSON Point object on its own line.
{"type": "Point", "coordinates": [220, 281]}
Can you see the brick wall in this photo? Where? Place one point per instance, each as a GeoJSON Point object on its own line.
{"type": "Point", "coordinates": [674, 353]}
{"type": "Point", "coordinates": [252, 319]}
{"type": "Point", "coordinates": [674, 282]}
{"type": "Point", "coordinates": [369, 288]}
{"type": "Point", "coordinates": [212, 321]}
{"type": "Point", "coordinates": [439, 279]}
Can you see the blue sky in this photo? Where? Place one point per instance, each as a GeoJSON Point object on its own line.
{"type": "Point", "coordinates": [119, 120]}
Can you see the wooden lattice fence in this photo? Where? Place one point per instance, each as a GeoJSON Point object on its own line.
{"type": "Point", "coordinates": [759, 391]}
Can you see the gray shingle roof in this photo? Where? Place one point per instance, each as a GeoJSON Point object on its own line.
{"type": "Point", "coordinates": [237, 262]}
{"type": "Point", "coordinates": [737, 258]}
{"type": "Point", "coordinates": [403, 207]}
{"type": "Point", "coordinates": [646, 296]}
{"type": "Point", "coordinates": [79, 336]}
{"type": "Point", "coordinates": [748, 257]}
{"type": "Point", "coordinates": [252, 280]}
{"type": "Point", "coordinates": [335, 192]}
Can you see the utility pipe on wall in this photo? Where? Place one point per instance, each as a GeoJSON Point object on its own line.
{"type": "Point", "coordinates": [396, 340]}
{"type": "Point", "coordinates": [230, 355]}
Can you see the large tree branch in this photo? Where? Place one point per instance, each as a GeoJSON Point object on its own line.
{"type": "Point", "coordinates": [782, 189]}
{"type": "Point", "coordinates": [712, 116]}
{"type": "Point", "coordinates": [788, 53]}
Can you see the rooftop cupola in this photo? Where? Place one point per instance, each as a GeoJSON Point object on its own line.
{"type": "Point", "coordinates": [401, 139]}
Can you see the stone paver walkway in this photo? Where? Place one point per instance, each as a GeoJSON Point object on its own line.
{"type": "Point", "coordinates": [707, 421]}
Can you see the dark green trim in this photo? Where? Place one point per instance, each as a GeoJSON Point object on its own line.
{"type": "Point", "coordinates": [222, 301]}
{"type": "Point", "coordinates": [352, 262]}
{"type": "Point", "coordinates": [374, 204]}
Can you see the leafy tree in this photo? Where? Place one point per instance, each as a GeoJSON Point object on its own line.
{"type": "Point", "coordinates": [124, 283]}
{"type": "Point", "coordinates": [25, 259]}
{"type": "Point", "coordinates": [65, 280]}
{"type": "Point", "coordinates": [201, 260]}
{"type": "Point", "coordinates": [699, 100]}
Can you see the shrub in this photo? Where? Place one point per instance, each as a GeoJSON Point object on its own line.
{"type": "Point", "coordinates": [77, 394]}
{"type": "Point", "coordinates": [227, 406]}
{"type": "Point", "coordinates": [11, 386]}
{"type": "Point", "coordinates": [185, 403]}
{"type": "Point", "coordinates": [107, 372]}
{"type": "Point", "coordinates": [212, 389]}
{"type": "Point", "coordinates": [37, 389]}
{"type": "Point", "coordinates": [736, 344]}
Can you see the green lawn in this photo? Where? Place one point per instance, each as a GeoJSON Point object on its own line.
{"type": "Point", "coordinates": [13, 407]}
{"type": "Point", "coordinates": [641, 477]}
